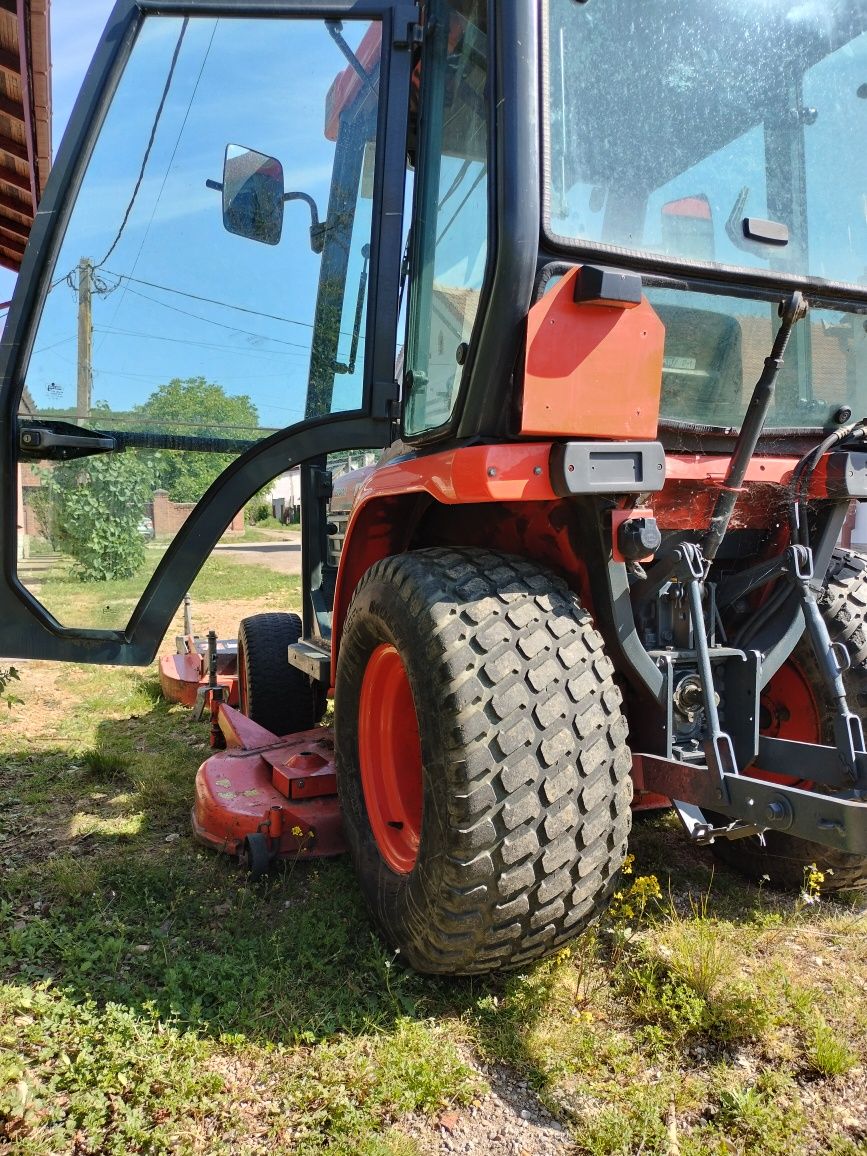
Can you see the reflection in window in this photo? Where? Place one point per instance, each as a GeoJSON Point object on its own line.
{"type": "Point", "coordinates": [715, 349]}
{"type": "Point", "coordinates": [758, 110]}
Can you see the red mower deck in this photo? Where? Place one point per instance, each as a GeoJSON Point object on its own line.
{"type": "Point", "coordinates": [282, 788]}
{"type": "Point", "coordinates": [184, 674]}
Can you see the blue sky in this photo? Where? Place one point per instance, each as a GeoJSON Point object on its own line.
{"type": "Point", "coordinates": [76, 26]}
{"type": "Point", "coordinates": [178, 296]}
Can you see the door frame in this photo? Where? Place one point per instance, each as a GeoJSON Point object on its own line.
{"type": "Point", "coordinates": [27, 629]}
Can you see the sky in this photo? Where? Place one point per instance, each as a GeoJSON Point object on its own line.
{"type": "Point", "coordinates": [176, 295]}
{"type": "Point", "coordinates": [76, 26]}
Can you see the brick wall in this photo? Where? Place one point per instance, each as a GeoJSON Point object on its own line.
{"type": "Point", "coordinates": [169, 516]}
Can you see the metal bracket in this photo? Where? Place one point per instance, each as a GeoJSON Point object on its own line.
{"type": "Point", "coordinates": [703, 833]}
{"type": "Point", "coordinates": [718, 746]}
{"type": "Point", "coordinates": [848, 728]}
{"type": "Point", "coordinates": [831, 818]}
{"type": "Point", "coordinates": [407, 30]}
{"type": "Point", "coordinates": [313, 660]}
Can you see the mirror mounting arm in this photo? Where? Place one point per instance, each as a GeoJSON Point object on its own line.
{"type": "Point", "coordinates": [317, 227]}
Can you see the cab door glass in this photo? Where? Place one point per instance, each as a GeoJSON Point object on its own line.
{"type": "Point", "coordinates": [184, 322]}
{"type": "Point", "coordinates": [450, 224]}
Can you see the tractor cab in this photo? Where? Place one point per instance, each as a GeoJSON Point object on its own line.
{"type": "Point", "coordinates": [591, 277]}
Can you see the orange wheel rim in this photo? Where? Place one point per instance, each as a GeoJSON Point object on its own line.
{"type": "Point", "coordinates": [789, 710]}
{"type": "Point", "coordinates": [389, 751]}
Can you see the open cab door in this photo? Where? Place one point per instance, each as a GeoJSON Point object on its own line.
{"type": "Point", "coordinates": [209, 298]}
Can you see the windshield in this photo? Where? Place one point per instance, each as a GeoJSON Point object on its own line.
{"type": "Point", "coordinates": [729, 133]}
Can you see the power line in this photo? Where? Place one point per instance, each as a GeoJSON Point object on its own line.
{"type": "Point", "coordinates": [212, 301]}
{"type": "Point", "coordinates": [171, 162]}
{"type": "Point", "coordinates": [110, 331]}
{"type": "Point", "coordinates": [219, 324]}
{"type": "Point", "coordinates": [150, 143]}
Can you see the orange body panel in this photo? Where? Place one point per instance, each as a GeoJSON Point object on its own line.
{"type": "Point", "coordinates": [591, 370]}
{"type": "Point", "coordinates": [391, 498]}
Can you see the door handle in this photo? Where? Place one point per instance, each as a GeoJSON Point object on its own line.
{"type": "Point", "coordinates": [60, 441]}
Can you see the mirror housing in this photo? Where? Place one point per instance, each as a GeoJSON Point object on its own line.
{"type": "Point", "coordinates": [252, 195]}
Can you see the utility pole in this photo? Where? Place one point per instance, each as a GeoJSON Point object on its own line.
{"type": "Point", "coordinates": [85, 341]}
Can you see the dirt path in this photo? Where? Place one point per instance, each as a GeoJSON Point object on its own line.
{"type": "Point", "coordinates": [283, 556]}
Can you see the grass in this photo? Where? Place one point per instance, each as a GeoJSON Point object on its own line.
{"type": "Point", "coordinates": [151, 1001]}
{"type": "Point", "coordinates": [108, 605]}
{"type": "Point", "coordinates": [270, 530]}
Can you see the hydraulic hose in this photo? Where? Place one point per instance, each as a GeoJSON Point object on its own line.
{"type": "Point", "coordinates": [803, 471]}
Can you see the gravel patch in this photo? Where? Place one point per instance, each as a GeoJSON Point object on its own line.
{"type": "Point", "coordinates": [509, 1121]}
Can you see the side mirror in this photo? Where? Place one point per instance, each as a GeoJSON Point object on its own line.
{"type": "Point", "coordinates": [252, 195]}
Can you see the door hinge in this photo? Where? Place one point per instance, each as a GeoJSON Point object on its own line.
{"type": "Point", "coordinates": [407, 28]}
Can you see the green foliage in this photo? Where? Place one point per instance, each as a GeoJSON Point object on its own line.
{"type": "Point", "coordinates": [9, 674]}
{"type": "Point", "coordinates": [103, 1073]}
{"type": "Point", "coordinates": [105, 764]}
{"type": "Point", "coordinates": [194, 406]}
{"type": "Point", "coordinates": [759, 1119]}
{"type": "Point", "coordinates": [826, 1052]}
{"type": "Point", "coordinates": [257, 512]}
{"type": "Point", "coordinates": [150, 1002]}
{"type": "Point", "coordinates": [94, 508]}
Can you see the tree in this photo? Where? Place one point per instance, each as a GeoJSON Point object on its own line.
{"type": "Point", "coordinates": [194, 406]}
{"type": "Point", "coordinates": [91, 509]}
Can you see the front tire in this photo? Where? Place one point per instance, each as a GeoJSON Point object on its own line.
{"type": "Point", "coordinates": [482, 762]}
{"type": "Point", "coordinates": [277, 696]}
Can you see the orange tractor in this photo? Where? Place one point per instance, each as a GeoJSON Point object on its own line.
{"type": "Point", "coordinates": [593, 277]}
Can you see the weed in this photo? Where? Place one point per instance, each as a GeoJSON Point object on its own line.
{"type": "Point", "coordinates": [393, 1143]}
{"type": "Point", "coordinates": [826, 1053]}
{"type": "Point", "coordinates": [758, 1119]}
{"type": "Point", "coordinates": [104, 764]}
{"type": "Point", "coordinates": [811, 891]}
{"type": "Point", "coordinates": [9, 674]}
{"type": "Point", "coordinates": [658, 998]}
{"type": "Point", "coordinates": [696, 949]}
{"type": "Point", "coordinates": [421, 1069]}
{"type": "Point", "coordinates": [70, 878]}
{"type": "Point", "coordinates": [635, 1125]}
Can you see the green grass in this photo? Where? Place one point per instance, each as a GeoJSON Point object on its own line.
{"type": "Point", "coordinates": [152, 1001]}
{"type": "Point", "coordinates": [108, 605]}
{"type": "Point", "coordinates": [269, 530]}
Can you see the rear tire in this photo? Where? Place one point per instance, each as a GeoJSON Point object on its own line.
{"type": "Point", "coordinates": [279, 697]}
{"type": "Point", "coordinates": [785, 859]}
{"type": "Point", "coordinates": [482, 683]}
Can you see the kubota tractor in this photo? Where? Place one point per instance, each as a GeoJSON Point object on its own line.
{"type": "Point", "coordinates": [593, 275]}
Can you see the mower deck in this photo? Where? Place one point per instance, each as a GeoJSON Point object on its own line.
{"type": "Point", "coordinates": [281, 788]}
{"type": "Point", "coordinates": [185, 673]}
